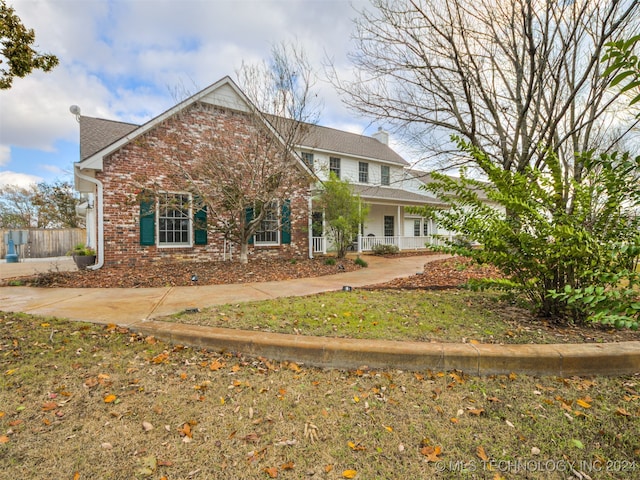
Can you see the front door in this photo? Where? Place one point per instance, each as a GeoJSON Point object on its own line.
{"type": "Point", "coordinates": [389, 225]}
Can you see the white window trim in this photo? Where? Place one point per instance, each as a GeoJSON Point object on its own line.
{"type": "Point", "coordinates": [188, 244]}
{"type": "Point", "coordinates": [277, 242]}
{"type": "Point", "coordinates": [366, 172]}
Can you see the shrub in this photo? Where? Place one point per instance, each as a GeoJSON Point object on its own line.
{"type": "Point", "coordinates": [360, 262]}
{"type": "Point", "coordinates": [81, 250]}
{"type": "Point", "coordinates": [381, 249]}
{"type": "Point", "coordinates": [330, 261]}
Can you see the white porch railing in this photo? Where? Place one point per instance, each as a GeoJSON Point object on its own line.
{"type": "Point", "coordinates": [403, 243]}
{"type": "Point", "coordinates": [366, 244]}
{"type": "Point", "coordinates": [319, 245]}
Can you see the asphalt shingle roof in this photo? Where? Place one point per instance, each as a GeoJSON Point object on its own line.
{"type": "Point", "coordinates": [98, 133]}
{"type": "Point", "coordinates": [372, 192]}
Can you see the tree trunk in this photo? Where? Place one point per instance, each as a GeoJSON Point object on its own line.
{"type": "Point", "coordinates": [244, 252]}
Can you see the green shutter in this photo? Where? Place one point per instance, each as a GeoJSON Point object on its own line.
{"type": "Point", "coordinates": [248, 217]}
{"type": "Point", "coordinates": [286, 222]}
{"type": "Point", "coordinates": [148, 222]}
{"type": "Point", "coordinates": [200, 226]}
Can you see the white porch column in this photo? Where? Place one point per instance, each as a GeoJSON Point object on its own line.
{"type": "Point", "coordinates": [324, 234]}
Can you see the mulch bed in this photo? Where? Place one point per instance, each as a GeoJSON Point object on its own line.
{"type": "Point", "coordinates": [163, 274]}
{"type": "Point", "coordinates": [443, 274]}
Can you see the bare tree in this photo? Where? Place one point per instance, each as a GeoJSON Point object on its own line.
{"type": "Point", "coordinates": [515, 78]}
{"type": "Point", "coordinates": [45, 205]}
{"type": "Point", "coordinates": [17, 209]}
{"type": "Point", "coordinates": [245, 178]}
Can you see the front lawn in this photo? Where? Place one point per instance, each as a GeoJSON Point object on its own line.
{"type": "Point", "coordinates": [81, 401]}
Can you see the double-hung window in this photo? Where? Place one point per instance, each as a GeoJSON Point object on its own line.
{"type": "Point", "coordinates": [269, 232]}
{"type": "Point", "coordinates": [307, 158]}
{"type": "Point", "coordinates": [385, 175]}
{"type": "Point", "coordinates": [334, 166]}
{"type": "Point", "coordinates": [174, 219]}
{"type": "Point", "coordinates": [363, 172]}
{"type": "Point", "coordinates": [416, 227]}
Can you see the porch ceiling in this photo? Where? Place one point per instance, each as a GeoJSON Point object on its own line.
{"type": "Point", "coordinates": [377, 194]}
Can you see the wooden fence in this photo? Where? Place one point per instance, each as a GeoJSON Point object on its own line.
{"type": "Point", "coordinates": [44, 243]}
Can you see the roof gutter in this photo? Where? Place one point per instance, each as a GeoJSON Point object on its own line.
{"type": "Point", "coordinates": [100, 207]}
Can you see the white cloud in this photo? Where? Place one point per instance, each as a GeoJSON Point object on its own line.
{"type": "Point", "coordinates": [121, 59]}
{"type": "Point", "coordinates": [5, 154]}
{"type": "Point", "coordinates": [19, 179]}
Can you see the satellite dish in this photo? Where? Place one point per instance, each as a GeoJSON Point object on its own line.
{"type": "Point", "coordinates": [75, 110]}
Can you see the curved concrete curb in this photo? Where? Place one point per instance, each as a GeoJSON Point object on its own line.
{"type": "Point", "coordinates": [475, 359]}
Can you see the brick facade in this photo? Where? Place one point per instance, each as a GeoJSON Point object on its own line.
{"type": "Point", "coordinates": [150, 163]}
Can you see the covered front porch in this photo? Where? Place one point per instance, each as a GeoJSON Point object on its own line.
{"type": "Point", "coordinates": [388, 223]}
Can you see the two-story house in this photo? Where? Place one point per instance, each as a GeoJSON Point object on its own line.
{"type": "Point", "coordinates": [127, 230]}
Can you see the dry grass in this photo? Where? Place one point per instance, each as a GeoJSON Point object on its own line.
{"type": "Point", "coordinates": [80, 401]}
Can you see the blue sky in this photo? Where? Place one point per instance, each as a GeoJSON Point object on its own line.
{"type": "Point", "coordinates": [122, 59]}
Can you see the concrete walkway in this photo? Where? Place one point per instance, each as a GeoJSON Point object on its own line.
{"type": "Point", "coordinates": [137, 309]}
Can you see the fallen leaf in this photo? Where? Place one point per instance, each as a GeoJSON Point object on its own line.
{"type": "Point", "coordinates": [476, 411]}
{"type": "Point", "coordinates": [76, 476]}
{"type": "Point", "coordinates": [621, 411]}
{"type": "Point", "coordinates": [356, 448]}
{"type": "Point", "coordinates": [431, 453]}
{"type": "Point", "coordinates": [4, 439]}
{"type": "Point", "coordinates": [146, 426]}
{"type": "Point", "coordinates": [160, 358]}
{"type": "Point", "coordinates": [482, 455]}
{"type": "Point", "coordinates": [216, 365]}
{"type": "Point", "coordinates": [583, 403]}
{"type": "Point", "coordinates": [48, 406]}
{"type": "Point", "coordinates": [328, 468]}
{"type": "Point", "coordinates": [294, 367]}
{"type": "Point", "coordinates": [110, 398]}
{"type": "Point", "coordinates": [253, 437]}
{"type": "Point", "coordinates": [287, 466]}
{"type": "Point", "coordinates": [577, 444]}
{"type": "Point", "coordinates": [271, 471]}
{"type": "Point", "coordinates": [349, 474]}
{"type": "Point", "coordinates": [185, 431]}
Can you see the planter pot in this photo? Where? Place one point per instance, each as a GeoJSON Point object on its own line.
{"type": "Point", "coordinates": [83, 261]}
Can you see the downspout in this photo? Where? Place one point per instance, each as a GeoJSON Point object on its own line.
{"type": "Point", "coordinates": [99, 219]}
{"type": "Point", "coordinates": [310, 224]}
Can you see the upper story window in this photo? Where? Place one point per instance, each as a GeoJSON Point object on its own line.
{"type": "Point", "coordinates": [363, 172]}
{"type": "Point", "coordinates": [174, 219]}
{"type": "Point", "coordinates": [334, 166]}
{"type": "Point", "coordinates": [385, 175]}
{"type": "Point", "coordinates": [307, 158]}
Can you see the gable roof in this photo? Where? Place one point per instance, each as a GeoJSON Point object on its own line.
{"type": "Point", "coordinates": [340, 142]}
{"type": "Point", "coordinates": [224, 92]}
{"type": "Point", "coordinates": [100, 137]}
{"type": "Point", "coordinates": [97, 133]}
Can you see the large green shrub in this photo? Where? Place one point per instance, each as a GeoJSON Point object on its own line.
{"type": "Point", "coordinates": [547, 230]}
